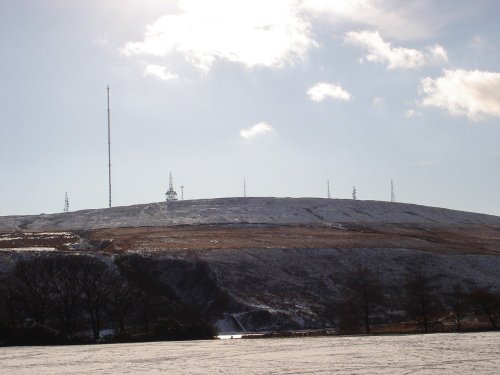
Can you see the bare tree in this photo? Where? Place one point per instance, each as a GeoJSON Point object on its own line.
{"type": "Point", "coordinates": [123, 300]}
{"type": "Point", "coordinates": [9, 309]}
{"type": "Point", "coordinates": [66, 291]}
{"type": "Point", "coordinates": [456, 299]}
{"type": "Point", "coordinates": [33, 278]}
{"type": "Point", "coordinates": [97, 281]}
{"type": "Point", "coordinates": [486, 302]}
{"type": "Point", "coordinates": [364, 293]}
{"type": "Point", "coordinates": [421, 302]}
{"type": "Point", "coordinates": [153, 298]}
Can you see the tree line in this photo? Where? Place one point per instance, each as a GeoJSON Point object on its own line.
{"type": "Point", "coordinates": [423, 302]}
{"type": "Point", "coordinates": [69, 298]}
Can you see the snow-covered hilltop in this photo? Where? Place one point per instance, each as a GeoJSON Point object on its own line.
{"type": "Point", "coordinates": [246, 211]}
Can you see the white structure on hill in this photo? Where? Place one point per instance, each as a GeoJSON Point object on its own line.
{"type": "Point", "coordinates": [171, 194]}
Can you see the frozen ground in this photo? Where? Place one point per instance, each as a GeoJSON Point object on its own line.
{"type": "Point", "coordinates": [246, 210]}
{"type": "Point", "coordinates": [469, 353]}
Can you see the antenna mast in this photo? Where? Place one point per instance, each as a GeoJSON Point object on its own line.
{"type": "Point", "coordinates": [66, 203]}
{"type": "Point", "coordinates": [393, 195]}
{"type": "Point", "coordinates": [354, 193]}
{"type": "Point", "coordinates": [328, 189]}
{"type": "Point", "coordinates": [182, 192]}
{"type": "Point", "coordinates": [244, 188]}
{"type": "Point", "coordinates": [171, 194]}
{"type": "Point", "coordinates": [109, 151]}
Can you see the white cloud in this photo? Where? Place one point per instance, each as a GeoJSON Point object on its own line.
{"type": "Point", "coordinates": [378, 102]}
{"type": "Point", "coordinates": [160, 72]}
{"type": "Point", "coordinates": [477, 40]}
{"type": "Point", "coordinates": [256, 130]}
{"type": "Point", "coordinates": [342, 9]}
{"type": "Point", "coordinates": [471, 93]}
{"type": "Point", "coordinates": [101, 39]}
{"type": "Point", "coordinates": [425, 163]}
{"type": "Point", "coordinates": [438, 53]}
{"type": "Point", "coordinates": [400, 20]}
{"type": "Point", "coordinates": [253, 33]}
{"type": "Point", "coordinates": [412, 113]}
{"type": "Point", "coordinates": [478, 43]}
{"type": "Point", "coordinates": [322, 90]}
{"type": "Point", "coordinates": [380, 51]}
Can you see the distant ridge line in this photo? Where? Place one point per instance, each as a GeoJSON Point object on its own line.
{"type": "Point", "coordinates": [250, 210]}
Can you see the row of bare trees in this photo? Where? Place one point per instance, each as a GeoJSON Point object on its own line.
{"type": "Point", "coordinates": [61, 297]}
{"type": "Point", "coordinates": [422, 298]}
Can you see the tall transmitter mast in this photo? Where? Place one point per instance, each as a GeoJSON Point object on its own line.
{"type": "Point", "coordinates": [109, 151]}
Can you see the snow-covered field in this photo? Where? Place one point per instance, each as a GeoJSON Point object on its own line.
{"type": "Point", "coordinates": [469, 353]}
{"type": "Point", "coordinates": [246, 210]}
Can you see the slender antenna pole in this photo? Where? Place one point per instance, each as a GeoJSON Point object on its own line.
{"type": "Point", "coordinates": [393, 195]}
{"type": "Point", "coordinates": [66, 203]}
{"type": "Point", "coordinates": [109, 151]}
{"type": "Point", "coordinates": [244, 188]}
{"type": "Point", "coordinates": [328, 189]}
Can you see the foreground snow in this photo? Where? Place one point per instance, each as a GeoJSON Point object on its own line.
{"type": "Point", "coordinates": [417, 354]}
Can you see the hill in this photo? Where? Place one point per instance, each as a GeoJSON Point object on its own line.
{"type": "Point", "coordinates": [246, 211]}
{"type": "Point", "coordinates": [256, 264]}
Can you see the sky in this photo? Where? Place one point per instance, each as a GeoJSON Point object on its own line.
{"type": "Point", "coordinates": [284, 94]}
